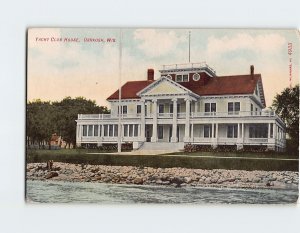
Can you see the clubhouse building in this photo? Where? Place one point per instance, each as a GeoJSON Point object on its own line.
{"type": "Point", "coordinates": [187, 104]}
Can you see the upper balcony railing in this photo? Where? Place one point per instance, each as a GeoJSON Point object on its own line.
{"type": "Point", "coordinates": [186, 66]}
{"type": "Point", "coordinates": [181, 115]}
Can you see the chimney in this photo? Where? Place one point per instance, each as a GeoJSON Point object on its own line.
{"type": "Point", "coordinates": [150, 75]}
{"type": "Point", "coordinates": [252, 71]}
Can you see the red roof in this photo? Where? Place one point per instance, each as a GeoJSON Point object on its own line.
{"type": "Point", "coordinates": [226, 85]}
{"type": "Point", "coordinates": [129, 90]}
{"type": "Point", "coordinates": [221, 85]}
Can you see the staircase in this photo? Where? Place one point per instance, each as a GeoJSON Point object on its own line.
{"type": "Point", "coordinates": [160, 147]}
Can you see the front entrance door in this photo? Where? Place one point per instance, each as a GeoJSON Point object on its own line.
{"type": "Point", "coordinates": [170, 132]}
{"type": "Point", "coordinates": [148, 133]}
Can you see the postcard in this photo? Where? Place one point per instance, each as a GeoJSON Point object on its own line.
{"type": "Point", "coordinates": [162, 116]}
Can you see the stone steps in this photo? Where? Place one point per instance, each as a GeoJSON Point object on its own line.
{"type": "Point", "coordinates": [161, 146]}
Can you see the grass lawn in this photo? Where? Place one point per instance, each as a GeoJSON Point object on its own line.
{"type": "Point", "coordinates": [241, 154]}
{"type": "Point", "coordinates": [193, 160]}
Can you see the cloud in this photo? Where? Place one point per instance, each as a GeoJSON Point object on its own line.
{"type": "Point", "coordinates": [157, 43]}
{"type": "Point", "coordinates": [268, 43]}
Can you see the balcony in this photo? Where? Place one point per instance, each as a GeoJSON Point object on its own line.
{"type": "Point", "coordinates": [107, 116]}
{"type": "Point", "coordinates": [182, 115]}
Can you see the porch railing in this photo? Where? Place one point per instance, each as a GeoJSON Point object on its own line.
{"type": "Point", "coordinates": [182, 115]}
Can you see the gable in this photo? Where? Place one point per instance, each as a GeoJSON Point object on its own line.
{"type": "Point", "coordinates": [164, 87]}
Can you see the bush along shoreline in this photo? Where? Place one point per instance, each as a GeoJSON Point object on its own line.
{"type": "Point", "coordinates": [176, 176]}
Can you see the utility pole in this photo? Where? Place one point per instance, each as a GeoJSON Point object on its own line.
{"type": "Point", "coordinates": [120, 92]}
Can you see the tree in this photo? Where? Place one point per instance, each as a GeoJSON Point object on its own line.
{"type": "Point", "coordinates": [67, 112]}
{"type": "Point", "coordinates": [46, 118]}
{"type": "Point", "coordinates": [286, 105]}
{"type": "Point", "coordinates": [39, 122]}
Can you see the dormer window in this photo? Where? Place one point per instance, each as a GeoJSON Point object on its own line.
{"type": "Point", "coordinates": [182, 78]}
{"type": "Point", "coordinates": [196, 77]}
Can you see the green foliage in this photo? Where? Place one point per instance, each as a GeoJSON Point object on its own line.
{"type": "Point", "coordinates": [210, 161]}
{"type": "Point", "coordinates": [286, 105]}
{"type": "Point", "coordinates": [46, 118]}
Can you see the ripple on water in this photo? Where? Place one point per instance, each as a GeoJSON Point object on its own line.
{"type": "Point", "coordinates": [75, 192]}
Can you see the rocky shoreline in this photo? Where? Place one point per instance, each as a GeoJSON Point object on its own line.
{"type": "Point", "coordinates": [177, 177]}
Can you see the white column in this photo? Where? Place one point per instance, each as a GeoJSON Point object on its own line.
{"type": "Point", "coordinates": [154, 131]}
{"type": "Point", "coordinates": [174, 126]}
{"type": "Point", "coordinates": [143, 122]}
{"type": "Point", "coordinates": [238, 132]}
{"type": "Point", "coordinates": [187, 119]}
{"type": "Point", "coordinates": [196, 106]}
{"type": "Point", "coordinates": [78, 134]}
{"type": "Point", "coordinates": [213, 130]}
{"type": "Point", "coordinates": [274, 130]}
{"type": "Point", "coordinates": [269, 130]}
{"type": "Point", "coordinates": [192, 132]}
{"type": "Point", "coordinates": [133, 130]}
{"type": "Point", "coordinates": [102, 130]}
{"type": "Point", "coordinates": [148, 108]}
{"type": "Point", "coordinates": [243, 126]}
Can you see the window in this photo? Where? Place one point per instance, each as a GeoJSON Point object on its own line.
{"type": "Point", "coordinates": [138, 109]}
{"type": "Point", "coordinates": [130, 130]}
{"type": "Point", "coordinates": [259, 131]}
{"type": "Point", "coordinates": [136, 130]}
{"type": "Point", "coordinates": [210, 107]}
{"type": "Point", "coordinates": [110, 130]}
{"type": "Point", "coordinates": [84, 130]}
{"type": "Point", "coordinates": [160, 132]}
{"type": "Point", "coordinates": [233, 107]}
{"type": "Point", "coordinates": [271, 130]}
{"type": "Point", "coordinates": [105, 130]}
{"type": "Point", "coordinates": [96, 128]}
{"type": "Point", "coordinates": [116, 131]}
{"type": "Point", "coordinates": [207, 107]}
{"type": "Point", "coordinates": [161, 108]}
{"type": "Point", "coordinates": [207, 131]}
{"type": "Point", "coordinates": [185, 78]}
{"type": "Point", "coordinates": [125, 130]}
{"type": "Point", "coordinates": [90, 130]}
{"type": "Point", "coordinates": [213, 107]}
{"type": "Point", "coordinates": [196, 77]}
{"type": "Point", "coordinates": [171, 108]}
{"type": "Point", "coordinates": [124, 109]}
{"type": "Point", "coordinates": [182, 78]}
{"type": "Point", "coordinates": [232, 131]}
{"type": "Point", "coordinates": [178, 107]}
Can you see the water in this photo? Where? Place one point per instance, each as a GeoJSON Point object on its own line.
{"type": "Point", "coordinates": [75, 192]}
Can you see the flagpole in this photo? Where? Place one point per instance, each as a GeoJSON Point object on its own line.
{"type": "Point", "coordinates": [120, 92]}
{"type": "Point", "coordinates": [189, 46]}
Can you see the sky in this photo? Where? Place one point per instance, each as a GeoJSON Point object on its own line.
{"type": "Point", "coordinates": [80, 65]}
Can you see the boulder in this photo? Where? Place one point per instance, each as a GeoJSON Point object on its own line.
{"type": "Point", "coordinates": [138, 180]}
{"type": "Point", "coordinates": [207, 181]}
{"type": "Point", "coordinates": [51, 174]}
{"type": "Point", "coordinates": [158, 181]}
{"type": "Point", "coordinates": [187, 180]}
{"type": "Point", "coordinates": [256, 180]}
